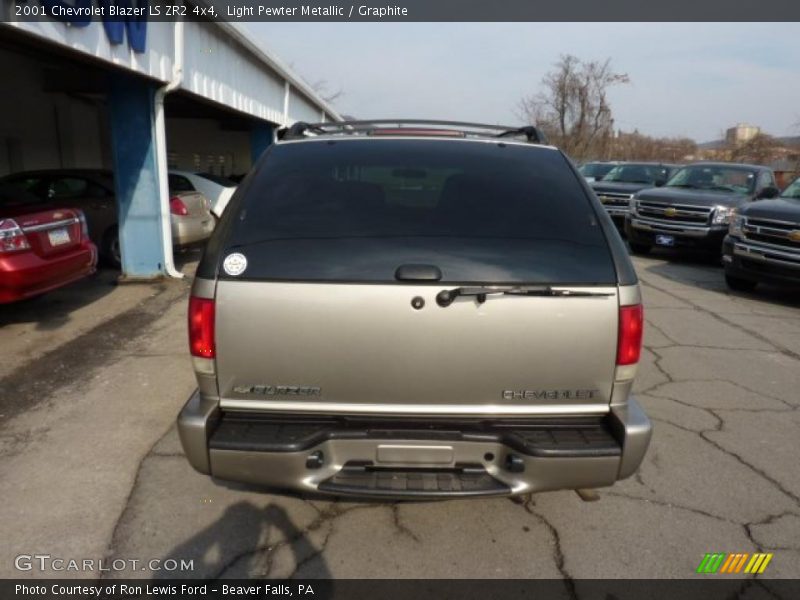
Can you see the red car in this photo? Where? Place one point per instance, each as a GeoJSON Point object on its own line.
{"type": "Point", "coordinates": [40, 249]}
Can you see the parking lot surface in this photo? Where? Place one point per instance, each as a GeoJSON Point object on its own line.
{"type": "Point", "coordinates": [92, 468]}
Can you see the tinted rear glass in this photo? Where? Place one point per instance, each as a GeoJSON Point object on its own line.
{"type": "Point", "coordinates": [178, 183]}
{"type": "Point", "coordinates": [355, 210]}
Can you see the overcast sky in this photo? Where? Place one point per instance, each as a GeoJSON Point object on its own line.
{"type": "Point", "coordinates": [691, 79]}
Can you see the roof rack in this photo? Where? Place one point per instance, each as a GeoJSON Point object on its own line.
{"type": "Point", "coordinates": [301, 129]}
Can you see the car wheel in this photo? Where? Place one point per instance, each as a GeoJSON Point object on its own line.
{"type": "Point", "coordinates": [111, 252]}
{"type": "Point", "coordinates": [639, 248]}
{"type": "Point", "coordinates": [739, 284]}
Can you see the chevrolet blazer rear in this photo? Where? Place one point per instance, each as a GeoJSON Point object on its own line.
{"type": "Point", "coordinates": [430, 312]}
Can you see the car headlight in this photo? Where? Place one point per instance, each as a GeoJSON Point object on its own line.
{"type": "Point", "coordinates": [722, 215]}
{"type": "Point", "coordinates": [735, 228]}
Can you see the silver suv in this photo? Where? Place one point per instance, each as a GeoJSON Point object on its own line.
{"type": "Point", "coordinates": [415, 309]}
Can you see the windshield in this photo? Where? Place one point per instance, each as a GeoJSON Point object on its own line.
{"type": "Point", "coordinates": [596, 170]}
{"type": "Point", "coordinates": [633, 173]}
{"type": "Point", "coordinates": [715, 178]}
{"type": "Point", "coordinates": [793, 191]}
{"type": "Point", "coordinates": [357, 210]}
{"type": "Point", "coordinates": [218, 179]}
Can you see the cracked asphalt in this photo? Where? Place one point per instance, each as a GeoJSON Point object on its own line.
{"type": "Point", "coordinates": [92, 468]}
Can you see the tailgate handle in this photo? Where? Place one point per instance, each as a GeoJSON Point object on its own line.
{"type": "Point", "coordinates": [418, 273]}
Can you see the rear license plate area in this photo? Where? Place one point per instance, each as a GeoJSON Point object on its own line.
{"type": "Point", "coordinates": [414, 454]}
{"type": "Point", "coordinates": [58, 237]}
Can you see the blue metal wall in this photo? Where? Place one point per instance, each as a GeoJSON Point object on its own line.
{"type": "Point", "coordinates": [131, 110]}
{"type": "Point", "coordinates": [261, 137]}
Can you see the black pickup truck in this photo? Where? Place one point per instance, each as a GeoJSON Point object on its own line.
{"type": "Point", "coordinates": [618, 186]}
{"type": "Point", "coordinates": [694, 208]}
{"type": "Point", "coordinates": [763, 244]}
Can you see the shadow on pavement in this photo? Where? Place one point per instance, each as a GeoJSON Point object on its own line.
{"type": "Point", "coordinates": [685, 257]}
{"type": "Point", "coordinates": [53, 309]}
{"type": "Point", "coordinates": [236, 543]}
{"type": "Point", "coordinates": [685, 269]}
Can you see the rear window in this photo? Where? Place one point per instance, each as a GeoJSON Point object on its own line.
{"type": "Point", "coordinates": [15, 194]}
{"type": "Point", "coordinates": [178, 183]}
{"type": "Point", "coordinates": [355, 210]}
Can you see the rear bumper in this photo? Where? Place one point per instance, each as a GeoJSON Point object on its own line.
{"type": "Point", "coordinates": [191, 230]}
{"type": "Point", "coordinates": [760, 263]}
{"type": "Point", "coordinates": [24, 274]}
{"type": "Point", "coordinates": [391, 459]}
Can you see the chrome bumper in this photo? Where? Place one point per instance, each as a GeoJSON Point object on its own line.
{"type": "Point", "coordinates": [766, 254]}
{"type": "Point", "coordinates": [616, 211]}
{"type": "Point", "coordinates": [660, 227]}
{"type": "Point", "coordinates": [534, 473]}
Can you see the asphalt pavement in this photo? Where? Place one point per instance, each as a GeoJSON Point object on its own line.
{"type": "Point", "coordinates": [91, 468]}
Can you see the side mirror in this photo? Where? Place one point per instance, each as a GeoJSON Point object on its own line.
{"type": "Point", "coordinates": [660, 182]}
{"type": "Point", "coordinates": [768, 193]}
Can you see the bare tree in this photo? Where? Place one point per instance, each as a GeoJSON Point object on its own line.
{"type": "Point", "coordinates": [760, 149]}
{"type": "Point", "coordinates": [573, 108]}
{"type": "Point", "coordinates": [321, 88]}
{"type": "Point", "coordinates": [637, 146]}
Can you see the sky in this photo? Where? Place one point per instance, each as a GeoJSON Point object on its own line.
{"type": "Point", "coordinates": [686, 79]}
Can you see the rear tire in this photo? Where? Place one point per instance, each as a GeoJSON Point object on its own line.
{"type": "Point", "coordinates": [110, 250]}
{"type": "Point", "coordinates": [740, 285]}
{"type": "Point", "coordinates": [639, 248]}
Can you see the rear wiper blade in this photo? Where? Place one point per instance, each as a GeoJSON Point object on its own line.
{"type": "Point", "coordinates": [446, 297]}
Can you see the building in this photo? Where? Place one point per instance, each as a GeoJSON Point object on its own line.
{"type": "Point", "coordinates": [138, 97]}
{"type": "Point", "coordinates": [786, 169]}
{"type": "Point", "coordinates": [740, 134]}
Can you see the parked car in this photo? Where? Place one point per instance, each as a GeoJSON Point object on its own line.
{"type": "Point", "coordinates": [217, 189]}
{"type": "Point", "coordinates": [415, 312]}
{"type": "Point", "coordinates": [191, 216]}
{"type": "Point", "coordinates": [618, 186]}
{"type": "Point", "coordinates": [40, 249]}
{"type": "Point", "coordinates": [693, 209]}
{"type": "Point", "coordinates": [594, 171]}
{"type": "Point", "coordinates": [92, 191]}
{"type": "Point", "coordinates": [763, 244]}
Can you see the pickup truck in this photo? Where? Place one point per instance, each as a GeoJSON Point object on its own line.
{"type": "Point", "coordinates": [616, 189]}
{"type": "Point", "coordinates": [763, 243]}
{"type": "Point", "coordinates": [694, 208]}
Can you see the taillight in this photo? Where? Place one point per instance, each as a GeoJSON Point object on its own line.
{"type": "Point", "coordinates": [177, 207]}
{"type": "Point", "coordinates": [12, 238]}
{"type": "Point", "coordinates": [631, 326]}
{"type": "Point", "coordinates": [201, 327]}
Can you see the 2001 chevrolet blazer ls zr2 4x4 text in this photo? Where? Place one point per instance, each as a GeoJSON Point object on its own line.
{"type": "Point", "coordinates": [389, 310]}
